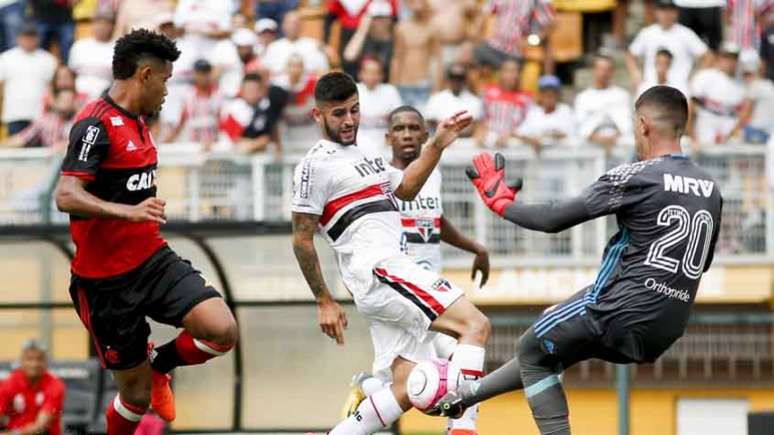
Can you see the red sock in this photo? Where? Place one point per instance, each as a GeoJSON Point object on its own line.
{"type": "Point", "coordinates": [184, 351]}
{"type": "Point", "coordinates": [195, 351]}
{"type": "Point", "coordinates": [122, 418]}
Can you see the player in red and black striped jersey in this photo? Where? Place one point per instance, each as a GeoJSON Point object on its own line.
{"type": "Point", "coordinates": [123, 269]}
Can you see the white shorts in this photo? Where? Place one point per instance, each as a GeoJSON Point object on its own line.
{"type": "Point", "coordinates": [404, 299]}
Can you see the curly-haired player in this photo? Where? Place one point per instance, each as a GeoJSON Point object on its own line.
{"type": "Point", "coordinates": [123, 269]}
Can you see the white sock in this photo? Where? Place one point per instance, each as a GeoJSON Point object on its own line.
{"type": "Point", "coordinates": [466, 365]}
{"type": "Point", "coordinates": [378, 411]}
{"type": "Point", "coordinates": [372, 385]}
{"type": "Point", "coordinates": [467, 421]}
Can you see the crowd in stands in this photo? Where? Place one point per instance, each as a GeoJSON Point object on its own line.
{"type": "Point", "coordinates": [248, 68]}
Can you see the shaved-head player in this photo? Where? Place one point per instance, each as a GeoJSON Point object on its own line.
{"type": "Point", "coordinates": [668, 211]}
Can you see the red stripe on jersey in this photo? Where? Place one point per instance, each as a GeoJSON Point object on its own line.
{"type": "Point", "coordinates": [84, 312]}
{"type": "Point", "coordinates": [84, 175]}
{"type": "Point", "coordinates": [425, 296]}
{"type": "Point", "coordinates": [337, 204]}
{"type": "Point", "coordinates": [411, 222]}
{"type": "Point", "coordinates": [469, 372]}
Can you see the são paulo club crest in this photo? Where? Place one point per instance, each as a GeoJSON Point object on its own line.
{"type": "Point", "coordinates": [425, 228]}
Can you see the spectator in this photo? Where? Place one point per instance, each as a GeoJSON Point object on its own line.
{"type": "Point", "coordinates": [450, 24]}
{"type": "Point", "coordinates": [266, 28]}
{"type": "Point", "coordinates": [505, 107]}
{"type": "Point", "coordinates": [32, 397]}
{"type": "Point", "coordinates": [51, 129]}
{"type": "Point", "coordinates": [684, 45]}
{"type": "Point", "coordinates": [234, 57]}
{"type": "Point", "coordinates": [251, 121]}
{"type": "Point", "coordinates": [604, 110]}
{"type": "Point", "coordinates": [11, 19]}
{"type": "Point", "coordinates": [25, 72]}
{"type": "Point", "coordinates": [374, 38]}
{"type": "Point", "coordinates": [515, 21]}
{"type": "Point", "coordinates": [239, 21]}
{"type": "Point", "coordinates": [761, 94]}
{"type": "Point", "coordinates": [719, 104]}
{"type": "Point", "coordinates": [350, 15]}
{"type": "Point", "coordinates": [549, 122]}
{"type": "Point", "coordinates": [416, 67]}
{"type": "Point", "coordinates": [279, 51]}
{"type": "Point", "coordinates": [64, 78]}
{"type": "Point", "coordinates": [91, 58]}
{"type": "Point", "coordinates": [767, 43]}
{"type": "Point", "coordinates": [201, 110]}
{"type": "Point", "coordinates": [54, 19]}
{"type": "Point", "coordinates": [204, 23]}
{"type": "Point", "coordinates": [467, 58]}
{"type": "Point", "coordinates": [743, 24]}
{"type": "Point", "coordinates": [164, 24]}
{"type": "Point", "coordinates": [297, 118]}
{"type": "Point", "coordinates": [377, 100]}
{"type": "Point", "coordinates": [455, 98]}
{"type": "Point", "coordinates": [136, 14]}
{"type": "Point", "coordinates": [663, 65]}
{"type": "Point", "coordinates": [705, 17]}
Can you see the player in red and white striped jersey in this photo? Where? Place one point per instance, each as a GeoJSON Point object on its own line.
{"type": "Point", "coordinates": [348, 194]}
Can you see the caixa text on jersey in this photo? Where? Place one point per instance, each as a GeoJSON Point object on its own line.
{"type": "Point", "coordinates": [141, 181]}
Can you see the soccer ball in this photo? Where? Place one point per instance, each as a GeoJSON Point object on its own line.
{"type": "Point", "coordinates": [427, 383]}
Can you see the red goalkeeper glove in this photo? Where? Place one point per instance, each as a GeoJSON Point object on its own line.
{"type": "Point", "coordinates": [488, 175]}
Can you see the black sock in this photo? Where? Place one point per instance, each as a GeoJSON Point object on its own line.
{"type": "Point", "coordinates": [165, 358]}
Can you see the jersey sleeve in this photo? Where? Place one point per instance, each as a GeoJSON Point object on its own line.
{"type": "Point", "coordinates": [310, 188]}
{"type": "Point", "coordinates": [395, 176]}
{"type": "Point", "coordinates": [698, 86]}
{"type": "Point", "coordinates": [615, 190]}
{"type": "Point", "coordinates": [637, 47]}
{"type": "Point", "coordinates": [696, 46]}
{"type": "Point", "coordinates": [54, 401]}
{"type": "Point", "coordinates": [88, 147]}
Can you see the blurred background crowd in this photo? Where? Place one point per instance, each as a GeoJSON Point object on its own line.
{"type": "Point", "coordinates": [536, 73]}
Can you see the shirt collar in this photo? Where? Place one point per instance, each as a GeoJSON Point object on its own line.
{"type": "Point", "coordinates": [123, 111]}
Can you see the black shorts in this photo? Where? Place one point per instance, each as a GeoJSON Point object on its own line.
{"type": "Point", "coordinates": [165, 288]}
{"type": "Point", "coordinates": [706, 22]}
{"type": "Point", "coordinates": [569, 334]}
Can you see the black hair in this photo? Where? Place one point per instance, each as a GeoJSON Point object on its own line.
{"type": "Point", "coordinates": [252, 77]}
{"type": "Point", "coordinates": [665, 52]}
{"type": "Point", "coordinates": [402, 109]}
{"type": "Point", "coordinates": [334, 86]}
{"type": "Point", "coordinates": [137, 45]}
{"type": "Point", "coordinates": [670, 104]}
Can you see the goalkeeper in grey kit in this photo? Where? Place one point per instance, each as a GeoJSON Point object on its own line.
{"type": "Point", "coordinates": [668, 212]}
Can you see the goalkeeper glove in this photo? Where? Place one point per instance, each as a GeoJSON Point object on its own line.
{"type": "Point", "coordinates": [488, 176]}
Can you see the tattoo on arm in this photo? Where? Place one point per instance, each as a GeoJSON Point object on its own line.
{"type": "Point", "coordinates": [304, 226]}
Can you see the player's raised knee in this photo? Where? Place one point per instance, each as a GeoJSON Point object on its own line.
{"type": "Point", "coordinates": [477, 327]}
{"type": "Point", "coordinates": [225, 334]}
